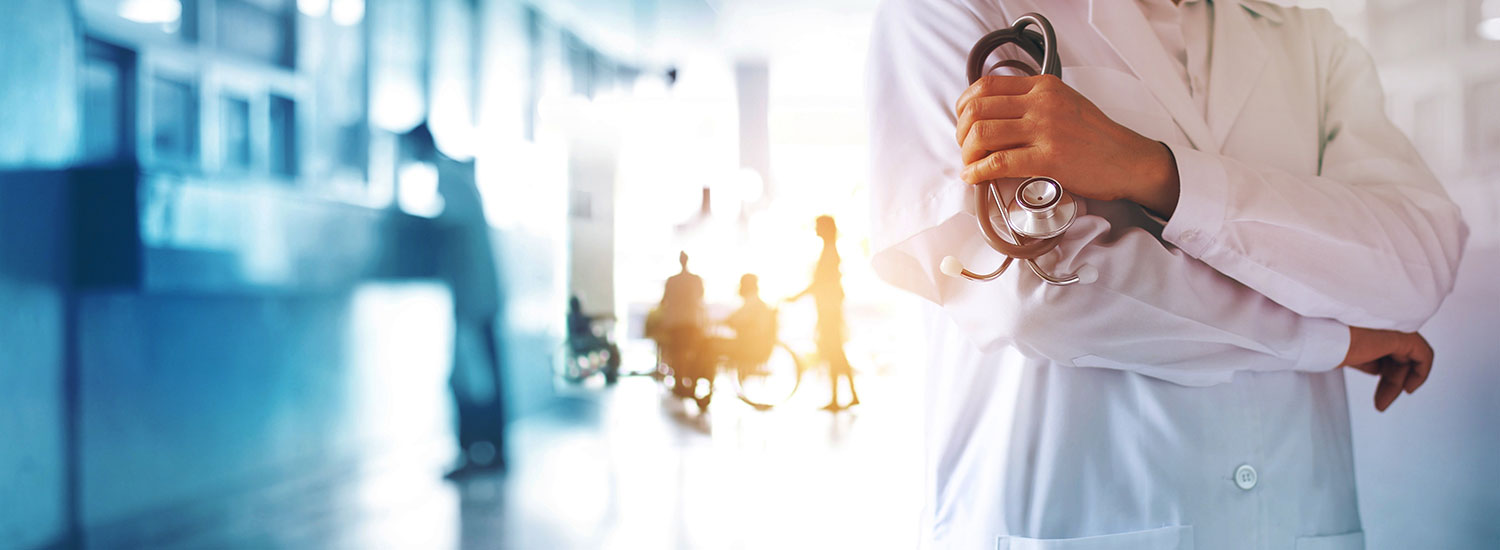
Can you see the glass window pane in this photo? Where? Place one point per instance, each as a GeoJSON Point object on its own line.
{"type": "Point", "coordinates": [234, 132]}
{"type": "Point", "coordinates": [254, 31]}
{"type": "Point", "coordinates": [397, 57]}
{"type": "Point", "coordinates": [353, 146]}
{"type": "Point", "coordinates": [334, 143]}
{"type": "Point", "coordinates": [101, 111]}
{"type": "Point", "coordinates": [174, 120]}
{"type": "Point", "coordinates": [168, 17]}
{"type": "Point", "coordinates": [107, 77]}
{"type": "Point", "coordinates": [283, 136]}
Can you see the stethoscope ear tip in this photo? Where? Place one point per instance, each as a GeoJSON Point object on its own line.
{"type": "Point", "coordinates": [1087, 274]}
{"type": "Point", "coordinates": [951, 267]}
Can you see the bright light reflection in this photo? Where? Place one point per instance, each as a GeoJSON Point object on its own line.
{"type": "Point", "coordinates": [313, 8]}
{"type": "Point", "coordinates": [749, 185]}
{"type": "Point", "coordinates": [151, 11]}
{"type": "Point", "coordinates": [417, 190]}
{"type": "Point", "coordinates": [1489, 29]}
{"type": "Point", "coordinates": [348, 12]}
{"type": "Point", "coordinates": [687, 138]}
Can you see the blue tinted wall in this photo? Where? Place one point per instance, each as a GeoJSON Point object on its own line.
{"type": "Point", "coordinates": [246, 305]}
{"type": "Point", "coordinates": [33, 457]}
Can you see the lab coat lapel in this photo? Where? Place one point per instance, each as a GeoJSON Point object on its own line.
{"type": "Point", "coordinates": [1121, 24]}
{"type": "Point", "coordinates": [1238, 58]}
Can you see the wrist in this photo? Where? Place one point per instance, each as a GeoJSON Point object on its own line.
{"type": "Point", "coordinates": [1365, 345]}
{"type": "Point", "coordinates": [1356, 339]}
{"type": "Point", "coordinates": [1157, 180]}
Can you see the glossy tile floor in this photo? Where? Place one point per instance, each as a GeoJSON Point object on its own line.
{"type": "Point", "coordinates": [627, 467]}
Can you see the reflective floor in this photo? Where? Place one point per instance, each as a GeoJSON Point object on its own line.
{"type": "Point", "coordinates": [626, 467]}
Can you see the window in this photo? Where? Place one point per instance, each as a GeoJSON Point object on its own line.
{"type": "Point", "coordinates": [108, 102]}
{"type": "Point", "coordinates": [174, 121]}
{"type": "Point", "coordinates": [234, 132]}
{"type": "Point", "coordinates": [261, 30]}
{"type": "Point", "coordinates": [146, 18]}
{"type": "Point", "coordinates": [283, 136]}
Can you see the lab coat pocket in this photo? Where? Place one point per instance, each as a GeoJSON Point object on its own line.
{"type": "Point", "coordinates": [1346, 541]}
{"type": "Point", "coordinates": [1165, 538]}
{"type": "Point", "coordinates": [1124, 99]}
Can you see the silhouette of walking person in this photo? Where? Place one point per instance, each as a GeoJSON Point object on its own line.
{"type": "Point", "coordinates": [828, 293]}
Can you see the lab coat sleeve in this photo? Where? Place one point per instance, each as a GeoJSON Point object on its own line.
{"type": "Point", "coordinates": [1372, 241]}
{"type": "Point", "coordinates": [1153, 310]}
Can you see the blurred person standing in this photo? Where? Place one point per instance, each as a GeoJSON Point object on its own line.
{"type": "Point", "coordinates": [827, 291]}
{"type": "Point", "coordinates": [466, 262]}
{"type": "Point", "coordinates": [680, 326]}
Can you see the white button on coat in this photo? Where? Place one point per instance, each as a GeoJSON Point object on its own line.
{"type": "Point", "coordinates": [1245, 477]}
{"type": "Point", "coordinates": [1111, 410]}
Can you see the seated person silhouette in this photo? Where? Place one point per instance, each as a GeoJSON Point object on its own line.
{"type": "Point", "coordinates": [582, 340]}
{"type": "Point", "coordinates": [754, 326]}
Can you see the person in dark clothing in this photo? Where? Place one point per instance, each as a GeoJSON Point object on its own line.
{"type": "Point", "coordinates": [466, 262]}
{"type": "Point", "coordinates": [682, 320]}
{"type": "Point", "coordinates": [582, 340]}
{"type": "Point", "coordinates": [828, 293]}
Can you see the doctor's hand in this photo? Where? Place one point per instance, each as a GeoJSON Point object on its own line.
{"type": "Point", "coordinates": [1402, 360]}
{"type": "Point", "coordinates": [1011, 127]}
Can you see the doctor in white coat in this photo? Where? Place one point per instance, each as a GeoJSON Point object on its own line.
{"type": "Point", "coordinates": [1255, 220]}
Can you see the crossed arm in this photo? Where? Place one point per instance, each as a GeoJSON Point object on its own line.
{"type": "Point", "coordinates": [1241, 299]}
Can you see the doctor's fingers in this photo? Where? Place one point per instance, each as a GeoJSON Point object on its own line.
{"type": "Point", "coordinates": [988, 108]}
{"type": "Point", "coordinates": [1392, 379]}
{"type": "Point", "coordinates": [1010, 163]}
{"type": "Point", "coordinates": [988, 136]}
{"type": "Point", "coordinates": [998, 86]}
{"type": "Point", "coordinates": [1420, 358]}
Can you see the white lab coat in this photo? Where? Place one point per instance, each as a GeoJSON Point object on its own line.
{"type": "Point", "coordinates": [1117, 414]}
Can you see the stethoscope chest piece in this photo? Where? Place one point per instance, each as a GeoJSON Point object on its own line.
{"type": "Point", "coordinates": [1041, 210]}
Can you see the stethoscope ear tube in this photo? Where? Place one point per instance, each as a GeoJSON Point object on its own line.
{"type": "Point", "coordinates": [1042, 47]}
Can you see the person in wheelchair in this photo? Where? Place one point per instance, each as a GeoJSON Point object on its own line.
{"type": "Point", "coordinates": [583, 341]}
{"type": "Point", "coordinates": [754, 326]}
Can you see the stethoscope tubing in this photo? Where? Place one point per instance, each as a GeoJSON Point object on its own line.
{"type": "Point", "coordinates": [987, 195]}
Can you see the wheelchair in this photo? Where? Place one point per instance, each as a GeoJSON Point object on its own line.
{"type": "Point", "coordinates": [588, 355]}
{"type": "Point", "coordinates": [766, 372]}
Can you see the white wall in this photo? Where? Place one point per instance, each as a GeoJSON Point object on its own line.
{"type": "Point", "coordinates": [1426, 467]}
{"type": "Point", "coordinates": [593, 160]}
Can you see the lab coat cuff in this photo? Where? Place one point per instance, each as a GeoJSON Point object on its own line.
{"type": "Point", "coordinates": [1326, 345]}
{"type": "Point", "coordinates": [1201, 202]}
{"type": "Point", "coordinates": [911, 244]}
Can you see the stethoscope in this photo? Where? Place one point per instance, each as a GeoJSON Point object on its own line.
{"type": "Point", "coordinates": [1041, 210]}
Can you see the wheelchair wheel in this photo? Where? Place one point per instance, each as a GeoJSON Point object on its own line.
{"type": "Point", "coordinates": [579, 366]}
{"type": "Point", "coordinates": [771, 383]}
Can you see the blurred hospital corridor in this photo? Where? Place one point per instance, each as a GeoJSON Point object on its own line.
{"type": "Point", "coordinates": [579, 274]}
